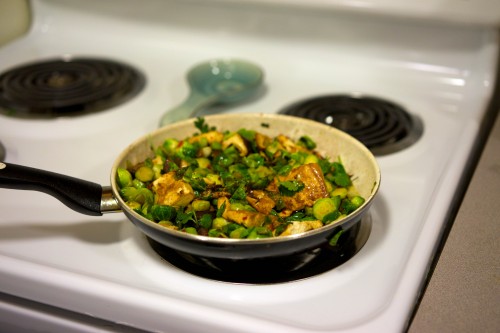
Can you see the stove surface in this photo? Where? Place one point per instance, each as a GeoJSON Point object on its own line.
{"type": "Point", "coordinates": [103, 267]}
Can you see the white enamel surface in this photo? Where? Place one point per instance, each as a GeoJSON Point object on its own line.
{"type": "Point", "coordinates": [102, 267]}
{"type": "Point", "coordinates": [478, 12]}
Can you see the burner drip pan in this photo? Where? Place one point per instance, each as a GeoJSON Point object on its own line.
{"type": "Point", "coordinates": [276, 269]}
{"type": "Point", "coordinates": [382, 126]}
{"type": "Point", "coordinates": [71, 87]}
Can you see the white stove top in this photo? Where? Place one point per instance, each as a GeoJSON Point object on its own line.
{"type": "Point", "coordinates": [102, 267]}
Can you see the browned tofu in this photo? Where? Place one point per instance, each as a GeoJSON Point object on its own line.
{"type": "Point", "coordinates": [172, 192]}
{"type": "Point", "coordinates": [243, 217]}
{"type": "Point", "coordinates": [298, 227]}
{"type": "Point", "coordinates": [288, 144]}
{"type": "Point", "coordinates": [259, 200]}
{"type": "Point", "coordinates": [237, 141]}
{"type": "Point", "coordinates": [212, 136]}
{"type": "Point", "coordinates": [262, 140]}
{"type": "Point", "coordinates": [315, 188]}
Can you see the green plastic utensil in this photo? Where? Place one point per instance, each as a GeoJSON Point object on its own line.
{"type": "Point", "coordinates": [217, 81]}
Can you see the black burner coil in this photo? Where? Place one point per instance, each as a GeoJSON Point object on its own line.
{"type": "Point", "coordinates": [384, 127]}
{"type": "Point", "coordinates": [61, 87]}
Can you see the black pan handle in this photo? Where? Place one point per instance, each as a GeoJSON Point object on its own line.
{"type": "Point", "coordinates": [80, 195]}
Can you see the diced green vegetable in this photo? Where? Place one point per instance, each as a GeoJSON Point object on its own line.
{"type": "Point", "coordinates": [216, 145]}
{"type": "Point", "coordinates": [203, 162]}
{"type": "Point", "coordinates": [331, 217]}
{"type": "Point", "coordinates": [144, 174]}
{"type": "Point", "coordinates": [141, 195]}
{"type": "Point", "coordinates": [311, 158]}
{"type": "Point", "coordinates": [219, 223]}
{"type": "Point", "coordinates": [124, 177]}
{"type": "Point", "coordinates": [259, 232]}
{"type": "Point", "coordinates": [272, 149]}
{"type": "Point", "coordinates": [138, 184]}
{"type": "Point", "coordinates": [216, 233]}
{"type": "Point", "coordinates": [230, 227]}
{"type": "Point", "coordinates": [339, 192]}
{"type": "Point", "coordinates": [163, 213]}
{"type": "Point", "coordinates": [134, 205]}
{"type": "Point", "coordinates": [348, 206]}
{"type": "Point", "coordinates": [240, 232]}
{"type": "Point", "coordinates": [307, 142]}
{"type": "Point", "coordinates": [200, 205]}
{"type": "Point", "coordinates": [358, 201]}
{"type": "Point", "coordinates": [206, 151]}
{"type": "Point", "coordinates": [253, 161]}
{"type": "Point", "coordinates": [191, 230]}
{"type": "Point", "coordinates": [299, 157]}
{"type": "Point", "coordinates": [187, 150]}
{"type": "Point", "coordinates": [248, 135]}
{"type": "Point", "coordinates": [170, 145]}
{"type": "Point", "coordinates": [167, 224]}
{"type": "Point", "coordinates": [323, 207]}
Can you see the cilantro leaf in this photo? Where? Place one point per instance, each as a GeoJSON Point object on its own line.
{"type": "Point", "coordinates": [290, 187]}
{"type": "Point", "coordinates": [203, 127]}
{"type": "Point", "coordinates": [184, 217]}
{"type": "Point", "coordinates": [340, 176]}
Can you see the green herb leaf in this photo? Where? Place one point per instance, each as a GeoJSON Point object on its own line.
{"type": "Point", "coordinates": [335, 239]}
{"type": "Point", "coordinates": [221, 210]}
{"type": "Point", "coordinates": [340, 176]}
{"type": "Point", "coordinates": [203, 127]}
{"type": "Point", "coordinates": [205, 221]}
{"type": "Point", "coordinates": [248, 135]}
{"type": "Point", "coordinates": [240, 193]}
{"type": "Point", "coordinates": [290, 187]}
{"type": "Point", "coordinates": [307, 142]}
{"type": "Point", "coordinates": [184, 217]}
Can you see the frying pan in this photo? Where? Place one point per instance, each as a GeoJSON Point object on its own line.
{"type": "Point", "coordinates": [93, 199]}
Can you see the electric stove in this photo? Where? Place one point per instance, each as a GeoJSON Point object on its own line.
{"type": "Point", "coordinates": [90, 77]}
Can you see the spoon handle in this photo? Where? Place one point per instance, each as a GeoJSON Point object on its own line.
{"type": "Point", "coordinates": [188, 109]}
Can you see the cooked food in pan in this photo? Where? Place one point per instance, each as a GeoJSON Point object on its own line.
{"type": "Point", "coordinates": [239, 184]}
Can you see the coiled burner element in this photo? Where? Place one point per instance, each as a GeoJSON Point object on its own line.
{"type": "Point", "coordinates": [71, 87]}
{"type": "Point", "coordinates": [382, 126]}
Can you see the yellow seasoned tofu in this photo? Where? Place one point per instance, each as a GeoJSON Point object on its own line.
{"type": "Point", "coordinates": [262, 140]}
{"type": "Point", "coordinates": [212, 136]}
{"type": "Point", "coordinates": [237, 141]}
{"type": "Point", "coordinates": [289, 145]}
{"type": "Point", "coordinates": [244, 217]}
{"type": "Point", "coordinates": [298, 227]}
{"type": "Point", "coordinates": [172, 192]}
{"type": "Point", "coordinates": [314, 187]}
{"type": "Point", "coordinates": [259, 200]}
